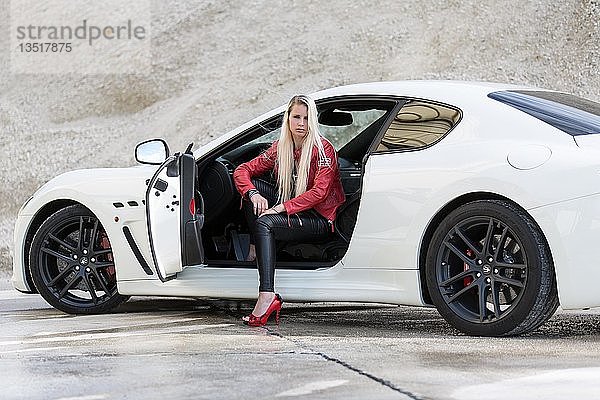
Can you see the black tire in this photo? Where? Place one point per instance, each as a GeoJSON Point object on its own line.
{"type": "Point", "coordinates": [489, 270]}
{"type": "Point", "coordinates": [72, 265]}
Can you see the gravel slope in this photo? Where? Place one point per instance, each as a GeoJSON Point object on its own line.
{"type": "Point", "coordinates": [218, 64]}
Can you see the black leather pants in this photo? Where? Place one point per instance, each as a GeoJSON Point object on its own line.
{"type": "Point", "coordinates": [306, 226]}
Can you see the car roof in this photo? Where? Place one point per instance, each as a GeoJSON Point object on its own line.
{"type": "Point", "coordinates": [463, 94]}
{"type": "Point", "coordinates": [418, 88]}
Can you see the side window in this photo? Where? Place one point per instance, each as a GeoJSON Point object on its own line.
{"type": "Point", "coordinates": [352, 125]}
{"type": "Point", "coordinates": [418, 124]}
{"type": "Point", "coordinates": [340, 126]}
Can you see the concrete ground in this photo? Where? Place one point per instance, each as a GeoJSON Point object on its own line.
{"type": "Point", "coordinates": [179, 348]}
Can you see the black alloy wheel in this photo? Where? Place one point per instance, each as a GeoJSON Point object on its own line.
{"type": "Point", "coordinates": [72, 263]}
{"type": "Point", "coordinates": [489, 270]}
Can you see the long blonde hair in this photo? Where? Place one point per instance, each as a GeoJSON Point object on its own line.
{"type": "Point", "coordinates": [285, 151]}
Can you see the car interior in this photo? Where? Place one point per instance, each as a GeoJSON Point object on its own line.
{"type": "Point", "coordinates": [351, 126]}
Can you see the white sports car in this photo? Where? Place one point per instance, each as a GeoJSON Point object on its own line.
{"type": "Point", "coordinates": [480, 199]}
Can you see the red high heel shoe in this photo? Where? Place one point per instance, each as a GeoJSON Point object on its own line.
{"type": "Point", "coordinates": [275, 305]}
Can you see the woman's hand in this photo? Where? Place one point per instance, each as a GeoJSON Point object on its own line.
{"type": "Point", "coordinates": [259, 204]}
{"type": "Point", "coordinates": [273, 210]}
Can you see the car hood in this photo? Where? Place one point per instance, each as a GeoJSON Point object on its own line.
{"type": "Point", "coordinates": [101, 176]}
{"type": "Point", "coordinates": [110, 184]}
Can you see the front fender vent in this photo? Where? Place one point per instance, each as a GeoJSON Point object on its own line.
{"type": "Point", "coordinates": [130, 203]}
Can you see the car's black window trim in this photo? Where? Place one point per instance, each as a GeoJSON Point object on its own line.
{"type": "Point", "coordinates": [571, 114]}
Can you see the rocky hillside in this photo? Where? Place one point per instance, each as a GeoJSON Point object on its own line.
{"type": "Point", "coordinates": [216, 64]}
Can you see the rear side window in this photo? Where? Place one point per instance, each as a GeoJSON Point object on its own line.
{"type": "Point", "coordinates": [571, 114]}
{"type": "Point", "coordinates": [417, 125]}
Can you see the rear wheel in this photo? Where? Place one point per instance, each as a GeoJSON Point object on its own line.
{"type": "Point", "coordinates": [72, 264]}
{"type": "Point", "coordinates": [489, 270]}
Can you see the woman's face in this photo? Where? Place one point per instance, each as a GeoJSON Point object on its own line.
{"type": "Point", "coordinates": [298, 122]}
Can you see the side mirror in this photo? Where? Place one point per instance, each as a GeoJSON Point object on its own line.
{"type": "Point", "coordinates": [152, 152]}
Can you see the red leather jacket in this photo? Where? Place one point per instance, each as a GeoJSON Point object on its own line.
{"type": "Point", "coordinates": [324, 191]}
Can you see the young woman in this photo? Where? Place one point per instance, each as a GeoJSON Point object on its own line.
{"type": "Point", "coordinates": [303, 204]}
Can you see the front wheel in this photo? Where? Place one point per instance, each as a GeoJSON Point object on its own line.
{"type": "Point", "coordinates": [489, 270]}
{"type": "Point", "coordinates": [72, 263]}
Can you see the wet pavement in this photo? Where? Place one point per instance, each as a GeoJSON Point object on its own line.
{"type": "Point", "coordinates": [179, 348]}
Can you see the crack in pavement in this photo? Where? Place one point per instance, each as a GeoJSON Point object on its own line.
{"type": "Point", "coordinates": [347, 366]}
{"type": "Point", "coordinates": [326, 357]}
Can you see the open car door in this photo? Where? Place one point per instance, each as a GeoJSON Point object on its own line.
{"type": "Point", "coordinates": [175, 215]}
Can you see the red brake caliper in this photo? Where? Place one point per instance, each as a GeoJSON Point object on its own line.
{"type": "Point", "coordinates": [105, 244]}
{"type": "Point", "coordinates": [469, 279]}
